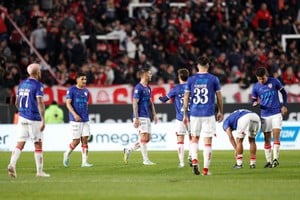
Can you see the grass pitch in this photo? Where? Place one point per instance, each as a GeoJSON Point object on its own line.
{"type": "Point", "coordinates": [111, 179]}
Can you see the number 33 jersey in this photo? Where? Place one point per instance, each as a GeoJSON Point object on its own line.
{"type": "Point", "coordinates": [202, 88]}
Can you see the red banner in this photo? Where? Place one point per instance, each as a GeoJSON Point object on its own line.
{"type": "Point", "coordinates": [122, 94]}
{"type": "Point", "coordinates": [119, 94]}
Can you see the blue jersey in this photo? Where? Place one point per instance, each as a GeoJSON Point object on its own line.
{"type": "Point", "coordinates": [143, 94]}
{"type": "Point", "coordinates": [80, 98]}
{"type": "Point", "coordinates": [232, 120]}
{"type": "Point", "coordinates": [27, 94]}
{"type": "Point", "coordinates": [178, 93]}
{"type": "Point", "coordinates": [202, 88]}
{"type": "Point", "coordinates": [268, 96]}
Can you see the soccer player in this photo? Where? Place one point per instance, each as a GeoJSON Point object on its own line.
{"type": "Point", "coordinates": [31, 122]}
{"type": "Point", "coordinates": [200, 92]}
{"type": "Point", "coordinates": [77, 104]}
{"type": "Point", "coordinates": [265, 94]}
{"type": "Point", "coordinates": [243, 122]}
{"type": "Point", "coordinates": [177, 94]}
{"type": "Point", "coordinates": [143, 109]}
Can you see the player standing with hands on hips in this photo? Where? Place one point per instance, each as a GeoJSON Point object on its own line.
{"type": "Point", "coordinates": [31, 122]}
{"type": "Point", "coordinates": [199, 95]}
{"type": "Point", "coordinates": [265, 94]}
{"type": "Point", "coordinates": [77, 104]}
{"type": "Point", "coordinates": [143, 109]}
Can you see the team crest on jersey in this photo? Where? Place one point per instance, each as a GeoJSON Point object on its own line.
{"type": "Point", "coordinates": [136, 91]}
{"type": "Point", "coordinates": [85, 94]}
{"type": "Point", "coordinates": [270, 85]}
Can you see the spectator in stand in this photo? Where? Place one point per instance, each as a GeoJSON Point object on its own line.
{"type": "Point", "coordinates": [5, 51]}
{"type": "Point", "coordinates": [289, 77]}
{"type": "Point", "coordinates": [202, 29]}
{"type": "Point", "coordinates": [38, 38]}
{"type": "Point", "coordinates": [76, 50]}
{"type": "Point", "coordinates": [110, 76]}
{"type": "Point", "coordinates": [288, 12]}
{"type": "Point", "coordinates": [3, 26]}
{"type": "Point", "coordinates": [262, 21]}
{"type": "Point", "coordinates": [121, 70]}
{"type": "Point", "coordinates": [35, 15]}
{"type": "Point", "coordinates": [100, 76]}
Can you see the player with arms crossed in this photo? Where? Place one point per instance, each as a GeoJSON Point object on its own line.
{"type": "Point", "coordinates": [265, 94]}
{"type": "Point", "coordinates": [143, 108]}
{"type": "Point", "coordinates": [243, 122]}
{"type": "Point", "coordinates": [31, 122]}
{"type": "Point", "coordinates": [177, 94]}
{"type": "Point", "coordinates": [77, 104]}
{"type": "Point", "coordinates": [200, 92]}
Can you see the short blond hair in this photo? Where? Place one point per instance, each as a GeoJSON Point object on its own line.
{"type": "Point", "coordinates": [33, 68]}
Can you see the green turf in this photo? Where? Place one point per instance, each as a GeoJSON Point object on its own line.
{"type": "Point", "coordinates": [110, 178]}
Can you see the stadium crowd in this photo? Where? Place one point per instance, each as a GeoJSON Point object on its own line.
{"type": "Point", "coordinates": [237, 35]}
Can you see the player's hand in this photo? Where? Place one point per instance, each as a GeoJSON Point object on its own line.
{"type": "Point", "coordinates": [77, 118]}
{"type": "Point", "coordinates": [284, 110]}
{"type": "Point", "coordinates": [136, 122]}
{"type": "Point", "coordinates": [255, 103]}
{"type": "Point", "coordinates": [155, 119]}
{"type": "Point", "coordinates": [185, 121]}
{"type": "Point", "coordinates": [42, 127]}
{"type": "Point", "coordinates": [220, 117]}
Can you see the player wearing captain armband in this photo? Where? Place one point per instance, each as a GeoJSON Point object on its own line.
{"type": "Point", "coordinates": [244, 123]}
{"type": "Point", "coordinates": [265, 95]}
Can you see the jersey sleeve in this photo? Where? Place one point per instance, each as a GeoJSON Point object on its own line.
{"type": "Point", "coordinates": [217, 84]}
{"type": "Point", "coordinates": [136, 93]}
{"type": "Point", "coordinates": [69, 94]}
{"type": "Point", "coordinates": [254, 94]}
{"type": "Point", "coordinates": [172, 93]}
{"type": "Point", "coordinates": [225, 124]}
{"type": "Point", "coordinates": [40, 90]}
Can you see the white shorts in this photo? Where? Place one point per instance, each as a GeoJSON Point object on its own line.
{"type": "Point", "coordinates": [248, 124]}
{"type": "Point", "coordinates": [181, 129]}
{"type": "Point", "coordinates": [28, 129]}
{"type": "Point", "coordinates": [145, 125]}
{"type": "Point", "coordinates": [80, 129]}
{"type": "Point", "coordinates": [204, 126]}
{"type": "Point", "coordinates": [271, 122]}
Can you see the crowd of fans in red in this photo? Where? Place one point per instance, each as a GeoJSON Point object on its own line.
{"type": "Point", "coordinates": [238, 36]}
